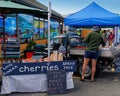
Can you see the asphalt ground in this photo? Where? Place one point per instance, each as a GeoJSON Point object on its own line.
{"type": "Point", "coordinates": [107, 84]}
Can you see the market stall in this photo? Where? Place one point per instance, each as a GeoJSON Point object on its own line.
{"type": "Point", "coordinates": [30, 75]}
{"type": "Point", "coordinates": [91, 15]}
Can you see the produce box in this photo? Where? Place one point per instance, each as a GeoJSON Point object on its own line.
{"type": "Point", "coordinates": [113, 51]}
{"type": "Point", "coordinates": [105, 52]}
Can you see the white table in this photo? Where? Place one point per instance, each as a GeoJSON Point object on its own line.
{"type": "Point", "coordinates": [29, 83]}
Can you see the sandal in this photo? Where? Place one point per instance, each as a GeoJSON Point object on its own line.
{"type": "Point", "coordinates": [92, 80]}
{"type": "Point", "coordinates": [83, 80]}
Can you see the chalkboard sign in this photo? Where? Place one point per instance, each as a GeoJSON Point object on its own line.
{"type": "Point", "coordinates": [56, 82]}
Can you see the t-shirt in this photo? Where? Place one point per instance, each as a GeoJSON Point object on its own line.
{"type": "Point", "coordinates": [93, 41]}
{"type": "Point", "coordinates": [111, 36]}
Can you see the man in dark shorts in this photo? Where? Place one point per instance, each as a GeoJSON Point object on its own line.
{"type": "Point", "coordinates": [93, 41]}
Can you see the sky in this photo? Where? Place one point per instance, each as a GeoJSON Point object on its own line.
{"type": "Point", "coordinates": [65, 7]}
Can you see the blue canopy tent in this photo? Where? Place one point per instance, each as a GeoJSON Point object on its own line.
{"type": "Point", "coordinates": [92, 15]}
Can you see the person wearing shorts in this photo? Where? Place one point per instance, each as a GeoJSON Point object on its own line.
{"type": "Point", "coordinates": [93, 40]}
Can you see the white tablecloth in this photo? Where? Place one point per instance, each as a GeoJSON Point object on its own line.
{"type": "Point", "coordinates": [29, 83]}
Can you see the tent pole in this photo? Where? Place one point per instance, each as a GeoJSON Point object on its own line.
{"type": "Point", "coordinates": [116, 35]}
{"type": "Point", "coordinates": [4, 37]}
{"type": "Point", "coordinates": [49, 15]}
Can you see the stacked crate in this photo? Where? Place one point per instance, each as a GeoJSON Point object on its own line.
{"type": "Point", "coordinates": [11, 49]}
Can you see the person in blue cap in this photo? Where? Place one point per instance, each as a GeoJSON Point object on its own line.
{"type": "Point", "coordinates": [92, 40]}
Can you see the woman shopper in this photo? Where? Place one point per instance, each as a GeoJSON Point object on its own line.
{"type": "Point", "coordinates": [110, 38]}
{"type": "Point", "coordinates": [93, 40]}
